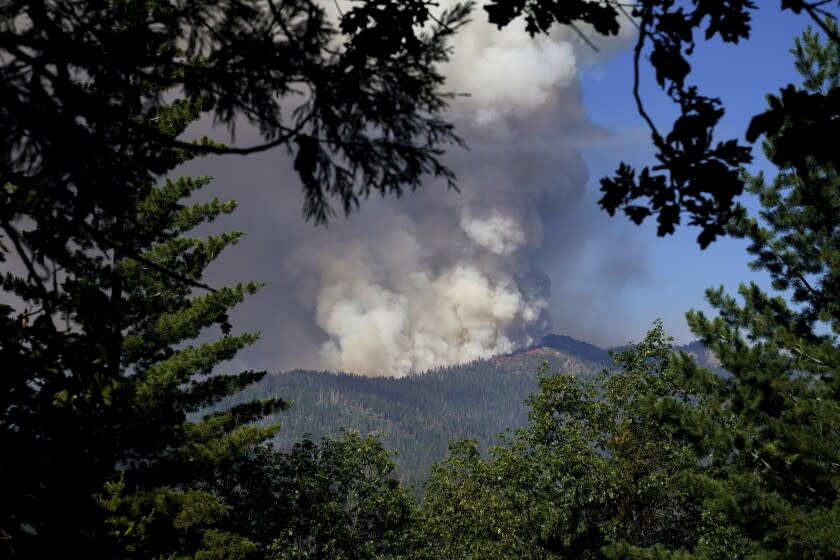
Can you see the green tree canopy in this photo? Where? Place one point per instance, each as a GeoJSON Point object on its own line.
{"type": "Point", "coordinates": [593, 473]}
{"type": "Point", "coordinates": [334, 499]}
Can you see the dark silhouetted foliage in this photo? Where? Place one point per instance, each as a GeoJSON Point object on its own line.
{"type": "Point", "coordinates": [695, 175]}
{"type": "Point", "coordinates": [100, 364]}
{"type": "Point", "coordinates": [82, 86]}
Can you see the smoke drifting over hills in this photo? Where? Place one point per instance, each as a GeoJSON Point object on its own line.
{"type": "Point", "coordinates": [438, 277]}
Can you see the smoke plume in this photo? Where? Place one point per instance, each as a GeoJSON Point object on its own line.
{"type": "Point", "coordinates": [439, 277]}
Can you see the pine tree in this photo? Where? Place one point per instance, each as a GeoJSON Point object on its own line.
{"type": "Point", "coordinates": [770, 433]}
{"type": "Point", "coordinates": [100, 372]}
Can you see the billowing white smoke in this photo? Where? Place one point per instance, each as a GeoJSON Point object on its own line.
{"type": "Point", "coordinates": [446, 278]}
{"type": "Point", "coordinates": [506, 72]}
{"type": "Point", "coordinates": [389, 310]}
{"type": "Point", "coordinates": [509, 74]}
{"type": "Point", "coordinates": [456, 316]}
{"type": "Point", "coordinates": [439, 277]}
{"type": "Point", "coordinates": [498, 233]}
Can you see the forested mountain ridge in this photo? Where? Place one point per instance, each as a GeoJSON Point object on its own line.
{"type": "Point", "coordinates": [418, 415]}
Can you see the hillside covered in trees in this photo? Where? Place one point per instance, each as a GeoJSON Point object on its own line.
{"type": "Point", "coordinates": [419, 415]}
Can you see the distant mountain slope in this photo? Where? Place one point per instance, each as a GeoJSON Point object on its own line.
{"type": "Point", "coordinates": [415, 415]}
{"type": "Point", "coordinates": [418, 415]}
{"type": "Point", "coordinates": [580, 349]}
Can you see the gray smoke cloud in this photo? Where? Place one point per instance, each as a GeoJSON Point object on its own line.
{"type": "Point", "coordinates": [438, 277]}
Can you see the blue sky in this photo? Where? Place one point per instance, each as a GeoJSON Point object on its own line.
{"type": "Point", "coordinates": [741, 75]}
